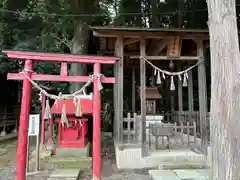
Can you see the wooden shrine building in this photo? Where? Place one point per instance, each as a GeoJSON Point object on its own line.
{"type": "Point", "coordinates": [152, 59]}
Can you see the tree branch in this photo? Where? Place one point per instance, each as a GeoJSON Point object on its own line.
{"type": "Point", "coordinates": [62, 41]}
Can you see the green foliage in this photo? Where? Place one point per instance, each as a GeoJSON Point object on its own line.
{"type": "Point", "coordinates": [49, 26]}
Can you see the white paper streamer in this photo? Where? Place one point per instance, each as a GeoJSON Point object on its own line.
{"type": "Point", "coordinates": [180, 78]}
{"type": "Point", "coordinates": [185, 78]}
{"type": "Point", "coordinates": [163, 75]}
{"type": "Point", "coordinates": [172, 85]}
{"type": "Point", "coordinates": [158, 78]}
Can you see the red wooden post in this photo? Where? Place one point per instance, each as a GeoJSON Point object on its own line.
{"type": "Point", "coordinates": [24, 122]}
{"type": "Point", "coordinates": [43, 120]}
{"type": "Point", "coordinates": [96, 127]}
{"type": "Point", "coordinates": [50, 131]}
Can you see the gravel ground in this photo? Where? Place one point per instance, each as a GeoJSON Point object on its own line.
{"type": "Point", "coordinates": [109, 169]}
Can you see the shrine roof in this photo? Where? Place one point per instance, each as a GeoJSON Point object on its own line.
{"type": "Point", "coordinates": [86, 107]}
{"type": "Point", "coordinates": [109, 31]}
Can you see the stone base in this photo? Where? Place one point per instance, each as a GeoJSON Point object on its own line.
{"type": "Point", "coordinates": [73, 152]}
{"type": "Point", "coordinates": [3, 133]}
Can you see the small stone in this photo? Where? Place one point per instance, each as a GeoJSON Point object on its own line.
{"type": "Point", "coordinates": [3, 151]}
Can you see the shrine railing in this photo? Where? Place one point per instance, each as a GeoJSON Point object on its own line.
{"type": "Point", "coordinates": [185, 131]}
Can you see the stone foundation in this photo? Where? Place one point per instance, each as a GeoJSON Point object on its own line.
{"type": "Point", "coordinates": [131, 157]}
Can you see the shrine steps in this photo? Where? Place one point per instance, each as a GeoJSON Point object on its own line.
{"type": "Point", "coordinates": [70, 162]}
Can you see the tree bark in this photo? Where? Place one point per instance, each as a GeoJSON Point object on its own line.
{"type": "Point", "coordinates": [225, 89]}
{"type": "Point", "coordinates": [80, 47]}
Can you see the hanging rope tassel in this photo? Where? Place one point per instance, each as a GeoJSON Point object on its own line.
{"type": "Point", "coordinates": [158, 78]}
{"type": "Point", "coordinates": [180, 77]}
{"type": "Point", "coordinates": [172, 85]}
{"type": "Point", "coordinates": [40, 96]}
{"type": "Point", "coordinates": [64, 116]}
{"type": "Point", "coordinates": [79, 109]}
{"type": "Point", "coordinates": [47, 112]}
{"type": "Point", "coordinates": [185, 78]}
{"type": "Point", "coordinates": [155, 71]}
{"type": "Point", "coordinates": [163, 76]}
{"type": "Point", "coordinates": [100, 87]}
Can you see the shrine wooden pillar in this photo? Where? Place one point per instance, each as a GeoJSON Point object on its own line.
{"type": "Point", "coordinates": [190, 94]}
{"type": "Point", "coordinates": [133, 87]}
{"type": "Point", "coordinates": [118, 90]}
{"type": "Point", "coordinates": [143, 93]}
{"type": "Point", "coordinates": [180, 99]}
{"type": "Point", "coordinates": [24, 123]}
{"type": "Point", "coordinates": [202, 87]}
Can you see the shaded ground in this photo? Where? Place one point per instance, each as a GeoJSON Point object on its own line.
{"type": "Point", "coordinates": [109, 169]}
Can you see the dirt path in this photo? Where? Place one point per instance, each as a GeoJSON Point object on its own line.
{"type": "Point", "coordinates": [109, 168]}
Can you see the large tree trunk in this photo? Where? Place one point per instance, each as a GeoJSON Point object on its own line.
{"type": "Point", "coordinates": [80, 47]}
{"type": "Point", "coordinates": [225, 89]}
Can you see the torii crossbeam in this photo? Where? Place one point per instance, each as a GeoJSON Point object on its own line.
{"type": "Point", "coordinates": [30, 58]}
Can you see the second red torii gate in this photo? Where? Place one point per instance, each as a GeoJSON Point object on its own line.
{"type": "Point", "coordinates": [29, 58]}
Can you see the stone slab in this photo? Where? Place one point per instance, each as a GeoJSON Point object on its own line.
{"type": "Point", "coordinates": [182, 165]}
{"type": "Point", "coordinates": [163, 175]}
{"type": "Point", "coordinates": [186, 174]}
{"type": "Point", "coordinates": [61, 179]}
{"type": "Point", "coordinates": [204, 172]}
{"type": "Point", "coordinates": [65, 173]}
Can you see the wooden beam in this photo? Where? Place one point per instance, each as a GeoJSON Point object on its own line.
{"type": "Point", "coordinates": [58, 78]}
{"type": "Point", "coordinates": [202, 97]}
{"type": "Point", "coordinates": [167, 58]}
{"type": "Point", "coordinates": [143, 92]}
{"type": "Point", "coordinates": [120, 53]}
{"type": "Point", "coordinates": [130, 41]}
{"type": "Point", "coordinates": [153, 35]}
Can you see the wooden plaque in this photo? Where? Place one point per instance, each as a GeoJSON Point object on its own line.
{"type": "Point", "coordinates": [174, 47]}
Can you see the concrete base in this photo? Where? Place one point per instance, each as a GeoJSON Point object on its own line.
{"type": "Point", "coordinates": [131, 158]}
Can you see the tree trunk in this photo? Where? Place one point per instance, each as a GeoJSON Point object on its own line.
{"type": "Point", "coordinates": [180, 15]}
{"type": "Point", "coordinates": [155, 16]}
{"type": "Point", "coordinates": [225, 89]}
{"type": "Point", "coordinates": [80, 47]}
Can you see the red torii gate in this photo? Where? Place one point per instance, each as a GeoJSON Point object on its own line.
{"type": "Point", "coordinates": [29, 58]}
